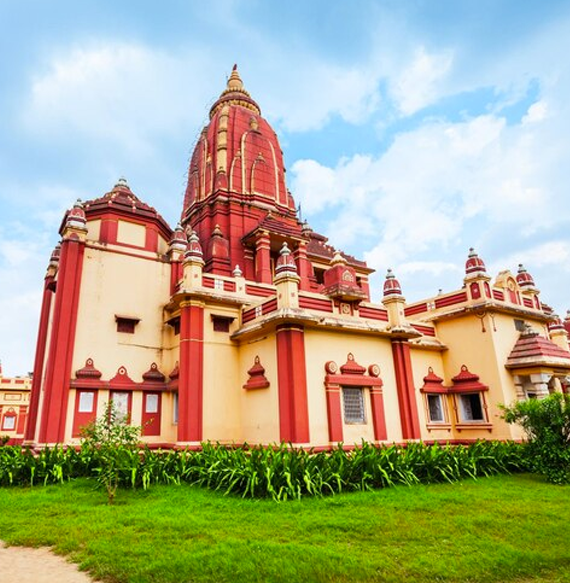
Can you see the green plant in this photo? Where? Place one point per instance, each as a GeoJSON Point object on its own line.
{"type": "Point", "coordinates": [547, 425]}
{"type": "Point", "coordinates": [111, 445]}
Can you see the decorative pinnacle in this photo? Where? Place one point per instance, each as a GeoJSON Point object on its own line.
{"type": "Point", "coordinates": [122, 182]}
{"type": "Point", "coordinates": [234, 82]}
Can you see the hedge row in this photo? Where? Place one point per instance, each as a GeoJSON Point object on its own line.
{"type": "Point", "coordinates": [279, 472]}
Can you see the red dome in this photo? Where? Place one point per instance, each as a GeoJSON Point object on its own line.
{"type": "Point", "coordinates": [524, 278]}
{"type": "Point", "coordinates": [474, 263]}
{"type": "Point", "coordinates": [392, 285]}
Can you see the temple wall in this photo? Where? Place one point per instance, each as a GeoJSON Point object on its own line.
{"type": "Point", "coordinates": [322, 346]}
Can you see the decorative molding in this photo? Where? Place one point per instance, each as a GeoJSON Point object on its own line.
{"type": "Point", "coordinates": [257, 378]}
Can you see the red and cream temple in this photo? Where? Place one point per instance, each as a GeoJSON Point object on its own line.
{"type": "Point", "coordinates": [244, 325]}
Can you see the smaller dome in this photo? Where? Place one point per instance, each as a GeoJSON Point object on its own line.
{"type": "Point", "coordinates": [524, 278]}
{"type": "Point", "coordinates": [193, 249]}
{"type": "Point", "coordinates": [556, 323]}
{"type": "Point", "coordinates": [392, 285]}
{"type": "Point", "coordinates": [76, 216]}
{"type": "Point", "coordinates": [178, 239]}
{"type": "Point", "coordinates": [285, 262]}
{"type": "Point", "coordinates": [474, 263]}
{"type": "Point", "coordinates": [55, 254]}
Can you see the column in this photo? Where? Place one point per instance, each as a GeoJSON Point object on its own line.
{"type": "Point", "coordinates": [292, 381]}
{"type": "Point", "coordinates": [49, 285]}
{"type": "Point", "coordinates": [58, 372]}
{"type": "Point", "coordinates": [406, 391]}
{"type": "Point", "coordinates": [191, 366]}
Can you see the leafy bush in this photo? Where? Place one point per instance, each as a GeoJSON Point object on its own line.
{"type": "Point", "coordinates": [110, 445]}
{"type": "Point", "coordinates": [547, 425]}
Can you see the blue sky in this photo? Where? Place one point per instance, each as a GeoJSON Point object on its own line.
{"type": "Point", "coordinates": [411, 130]}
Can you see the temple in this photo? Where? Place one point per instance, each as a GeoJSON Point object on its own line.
{"type": "Point", "coordinates": [242, 324]}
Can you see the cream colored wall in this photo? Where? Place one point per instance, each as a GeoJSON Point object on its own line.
{"type": "Point", "coordinates": [485, 354]}
{"type": "Point", "coordinates": [422, 360]}
{"type": "Point", "coordinates": [222, 389]}
{"type": "Point", "coordinates": [259, 407]}
{"type": "Point", "coordinates": [322, 346]}
{"type": "Point", "coordinates": [93, 230]}
{"type": "Point", "coordinates": [113, 284]}
{"type": "Point", "coordinates": [131, 233]}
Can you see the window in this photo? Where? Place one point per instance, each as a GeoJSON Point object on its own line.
{"type": "Point", "coordinates": [221, 323]}
{"type": "Point", "coordinates": [151, 403]}
{"type": "Point", "coordinates": [86, 400]}
{"type": "Point", "coordinates": [175, 409]}
{"type": "Point", "coordinates": [353, 401]}
{"type": "Point", "coordinates": [435, 408]}
{"type": "Point", "coordinates": [519, 325]}
{"type": "Point", "coordinates": [120, 401]}
{"type": "Point", "coordinates": [126, 324]}
{"type": "Point", "coordinates": [9, 422]}
{"type": "Point", "coordinates": [471, 408]}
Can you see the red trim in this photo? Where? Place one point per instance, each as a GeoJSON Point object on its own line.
{"type": "Point", "coordinates": [191, 377]}
{"type": "Point", "coordinates": [373, 313]}
{"type": "Point", "coordinates": [58, 374]}
{"type": "Point", "coordinates": [292, 380]}
{"type": "Point", "coordinates": [39, 359]}
{"type": "Point", "coordinates": [417, 309]}
{"type": "Point", "coordinates": [310, 303]}
{"type": "Point", "coordinates": [405, 388]}
{"type": "Point", "coordinates": [263, 260]}
{"type": "Point", "coordinates": [451, 300]}
{"type": "Point", "coordinates": [254, 290]}
{"type": "Point", "coordinates": [334, 412]}
{"type": "Point", "coordinates": [378, 414]}
{"type": "Point", "coordinates": [424, 330]}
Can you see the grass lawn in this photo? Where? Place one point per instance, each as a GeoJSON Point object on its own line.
{"type": "Point", "coordinates": [505, 528]}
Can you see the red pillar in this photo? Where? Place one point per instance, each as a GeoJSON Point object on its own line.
{"type": "Point", "coordinates": [406, 390]}
{"type": "Point", "coordinates": [263, 259]}
{"type": "Point", "coordinates": [334, 412]}
{"type": "Point", "coordinates": [58, 372]}
{"type": "Point", "coordinates": [41, 343]}
{"type": "Point", "coordinates": [304, 268]}
{"type": "Point", "coordinates": [378, 415]}
{"type": "Point", "coordinates": [191, 378]}
{"type": "Point", "coordinates": [292, 380]}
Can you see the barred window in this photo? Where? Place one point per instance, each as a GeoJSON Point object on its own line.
{"type": "Point", "coordinates": [353, 401]}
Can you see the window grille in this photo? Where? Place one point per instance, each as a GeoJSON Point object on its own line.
{"type": "Point", "coordinates": [353, 401]}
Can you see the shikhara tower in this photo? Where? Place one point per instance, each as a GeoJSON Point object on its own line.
{"type": "Point", "coordinates": [241, 324]}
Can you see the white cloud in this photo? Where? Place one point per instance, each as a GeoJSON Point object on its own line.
{"type": "Point", "coordinates": [420, 83]}
{"type": "Point", "coordinates": [118, 92]}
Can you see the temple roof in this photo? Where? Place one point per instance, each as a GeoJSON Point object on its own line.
{"type": "Point", "coordinates": [531, 349]}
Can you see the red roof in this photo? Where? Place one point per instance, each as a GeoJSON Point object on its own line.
{"type": "Point", "coordinates": [532, 349]}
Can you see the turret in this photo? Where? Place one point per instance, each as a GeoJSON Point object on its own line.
{"type": "Point", "coordinates": [193, 263]}
{"type": "Point", "coordinates": [476, 279]}
{"type": "Point", "coordinates": [286, 279]}
{"type": "Point", "coordinates": [394, 301]}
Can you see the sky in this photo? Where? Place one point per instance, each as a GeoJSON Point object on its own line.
{"type": "Point", "coordinates": [411, 130]}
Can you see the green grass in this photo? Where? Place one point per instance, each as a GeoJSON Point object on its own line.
{"type": "Point", "coordinates": [504, 528]}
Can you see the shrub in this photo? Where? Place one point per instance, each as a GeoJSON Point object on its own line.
{"type": "Point", "coordinates": [546, 423]}
{"type": "Point", "coordinates": [109, 443]}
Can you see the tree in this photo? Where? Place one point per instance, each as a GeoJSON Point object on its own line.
{"type": "Point", "coordinates": [547, 425]}
{"type": "Point", "coordinates": [111, 443]}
